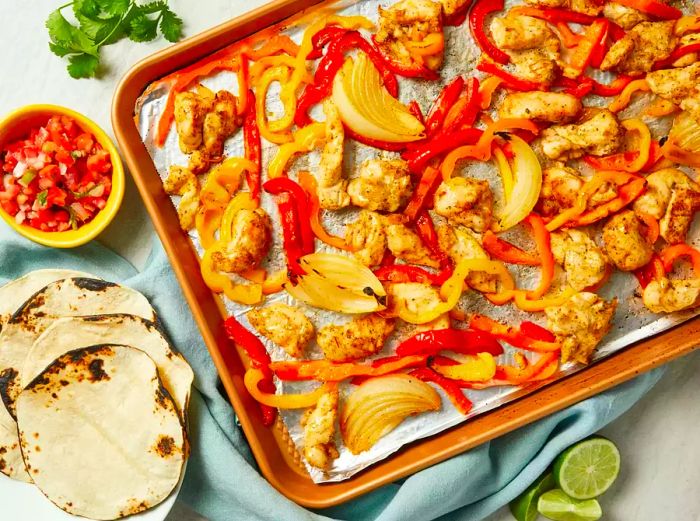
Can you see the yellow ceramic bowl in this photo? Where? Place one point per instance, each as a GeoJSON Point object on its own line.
{"type": "Point", "coordinates": [17, 125]}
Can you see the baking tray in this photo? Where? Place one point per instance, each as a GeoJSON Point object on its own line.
{"type": "Point", "coordinates": [272, 448]}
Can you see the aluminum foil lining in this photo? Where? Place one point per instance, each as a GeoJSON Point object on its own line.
{"type": "Point", "coordinates": [632, 321]}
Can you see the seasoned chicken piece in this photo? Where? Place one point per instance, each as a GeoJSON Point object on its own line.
{"type": "Point", "coordinates": [459, 243]}
{"type": "Point", "coordinates": [359, 338]}
{"type": "Point", "coordinates": [589, 7]}
{"type": "Point", "coordinates": [286, 326]}
{"type": "Point", "coordinates": [332, 187]}
{"type": "Point", "coordinates": [199, 162]}
{"type": "Point", "coordinates": [450, 7]}
{"type": "Point", "coordinates": [672, 198]}
{"type": "Point", "coordinates": [181, 181]}
{"type": "Point", "coordinates": [412, 296]}
{"type": "Point", "coordinates": [691, 57]}
{"type": "Point", "coordinates": [642, 46]}
{"type": "Point", "coordinates": [219, 123]}
{"type": "Point", "coordinates": [580, 325]}
{"type": "Point", "coordinates": [251, 238]}
{"type": "Point", "coordinates": [383, 185]}
{"type": "Point", "coordinates": [625, 17]}
{"type": "Point", "coordinates": [367, 236]}
{"type": "Point", "coordinates": [585, 264]}
{"type": "Point", "coordinates": [538, 65]}
{"type": "Point", "coordinates": [680, 86]}
{"type": "Point", "coordinates": [548, 3]}
{"type": "Point", "coordinates": [190, 110]}
{"type": "Point", "coordinates": [466, 201]}
{"type": "Point", "coordinates": [560, 190]}
{"type": "Point", "coordinates": [515, 32]}
{"type": "Point", "coordinates": [625, 244]}
{"type": "Point", "coordinates": [667, 296]}
{"type": "Point", "coordinates": [599, 135]}
{"type": "Point", "coordinates": [552, 107]}
{"type": "Point", "coordinates": [319, 431]}
{"type": "Point", "coordinates": [405, 244]}
{"type": "Point", "coordinates": [406, 22]}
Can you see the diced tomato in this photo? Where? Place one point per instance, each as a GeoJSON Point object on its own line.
{"type": "Point", "coordinates": [84, 142]}
{"type": "Point", "coordinates": [99, 162]}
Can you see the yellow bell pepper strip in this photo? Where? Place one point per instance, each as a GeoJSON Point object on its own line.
{"type": "Point", "coordinates": [544, 368]}
{"type": "Point", "coordinates": [687, 24]}
{"type": "Point", "coordinates": [207, 222]}
{"type": "Point", "coordinates": [624, 98]}
{"type": "Point", "coordinates": [477, 368]}
{"type": "Point", "coordinates": [248, 294]}
{"type": "Point", "coordinates": [581, 57]}
{"type": "Point", "coordinates": [644, 145]}
{"type": "Point", "coordinates": [305, 140]}
{"type": "Point", "coordinates": [523, 302]}
{"type": "Point", "coordinates": [486, 90]}
{"type": "Point", "coordinates": [260, 66]}
{"type": "Point", "coordinates": [676, 154]}
{"type": "Point", "coordinates": [275, 282]}
{"type": "Point", "coordinates": [660, 108]}
{"type": "Point", "coordinates": [253, 377]}
{"type": "Point", "coordinates": [240, 201]}
{"type": "Point", "coordinates": [327, 371]}
{"type": "Point", "coordinates": [257, 275]}
{"type": "Point", "coordinates": [431, 44]}
{"type": "Point", "coordinates": [280, 73]}
{"type": "Point", "coordinates": [308, 183]}
{"type": "Point", "coordinates": [482, 150]}
{"type": "Point", "coordinates": [505, 170]}
{"type": "Point", "coordinates": [524, 337]}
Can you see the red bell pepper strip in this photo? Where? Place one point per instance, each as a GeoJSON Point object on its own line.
{"type": "Point", "coordinates": [327, 371]}
{"type": "Point", "coordinates": [408, 273]}
{"type": "Point", "coordinates": [613, 33]}
{"type": "Point", "coordinates": [464, 341]}
{"type": "Point", "coordinates": [259, 359]}
{"type": "Point", "coordinates": [375, 143]}
{"type": "Point", "coordinates": [354, 40]}
{"type": "Point", "coordinates": [253, 148]}
{"type": "Point", "coordinates": [532, 330]}
{"type": "Point", "coordinates": [418, 156]}
{"type": "Point", "coordinates": [626, 194]}
{"type": "Point", "coordinates": [323, 38]}
{"type": "Point", "coordinates": [425, 228]}
{"type": "Point", "coordinates": [407, 71]}
{"type": "Point", "coordinates": [458, 17]}
{"type": "Point", "coordinates": [554, 15]}
{"type": "Point", "coordinates": [592, 40]}
{"type": "Point", "coordinates": [509, 80]}
{"type": "Point", "coordinates": [284, 184]}
{"type": "Point", "coordinates": [623, 161]}
{"type": "Point", "coordinates": [464, 112]}
{"type": "Point", "coordinates": [670, 254]}
{"type": "Point", "coordinates": [477, 20]}
{"type": "Point", "coordinates": [677, 54]}
{"type": "Point", "coordinates": [579, 87]}
{"type": "Point", "coordinates": [507, 252]}
{"type": "Point", "coordinates": [414, 108]}
{"type": "Point", "coordinates": [654, 270]}
{"type": "Point", "coordinates": [442, 104]}
{"type": "Point", "coordinates": [615, 88]}
{"type": "Point", "coordinates": [513, 335]}
{"type": "Point", "coordinates": [654, 8]}
{"type": "Point", "coordinates": [452, 389]}
{"type": "Point", "coordinates": [423, 193]}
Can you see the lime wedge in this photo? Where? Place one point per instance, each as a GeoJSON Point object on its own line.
{"type": "Point", "coordinates": [587, 469]}
{"type": "Point", "coordinates": [524, 507]}
{"type": "Point", "coordinates": [556, 505]}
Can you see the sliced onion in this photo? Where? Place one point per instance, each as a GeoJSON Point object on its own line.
{"type": "Point", "coordinates": [527, 174]}
{"type": "Point", "coordinates": [379, 405]}
{"type": "Point", "coordinates": [367, 108]}
{"type": "Point", "coordinates": [685, 133]}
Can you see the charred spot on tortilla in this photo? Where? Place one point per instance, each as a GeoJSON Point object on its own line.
{"type": "Point", "coordinates": [165, 446]}
{"type": "Point", "coordinates": [97, 372]}
{"type": "Point", "coordinates": [8, 379]}
{"type": "Point", "coordinates": [78, 358]}
{"type": "Point", "coordinates": [35, 301]}
{"type": "Point", "coordinates": [95, 285]}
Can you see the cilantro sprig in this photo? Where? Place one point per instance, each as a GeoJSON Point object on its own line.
{"type": "Point", "coordinates": [103, 22]}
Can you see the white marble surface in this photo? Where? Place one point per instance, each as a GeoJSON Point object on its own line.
{"type": "Point", "coordinates": [658, 437]}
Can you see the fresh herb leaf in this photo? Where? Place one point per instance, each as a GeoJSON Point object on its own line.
{"type": "Point", "coordinates": [41, 197]}
{"type": "Point", "coordinates": [153, 7]}
{"type": "Point", "coordinates": [170, 25]}
{"type": "Point", "coordinates": [115, 7]}
{"type": "Point", "coordinates": [143, 29]}
{"type": "Point", "coordinates": [86, 8]}
{"type": "Point", "coordinates": [83, 65]}
{"type": "Point", "coordinates": [67, 36]}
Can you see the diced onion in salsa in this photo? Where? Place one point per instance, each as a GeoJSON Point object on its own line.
{"type": "Point", "coordinates": [57, 178]}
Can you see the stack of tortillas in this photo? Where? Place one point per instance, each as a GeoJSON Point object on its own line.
{"type": "Point", "coordinates": [94, 397]}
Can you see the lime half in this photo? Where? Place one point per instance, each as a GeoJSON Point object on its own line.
{"type": "Point", "coordinates": [556, 505]}
{"type": "Point", "coordinates": [524, 507]}
{"type": "Point", "coordinates": [587, 469]}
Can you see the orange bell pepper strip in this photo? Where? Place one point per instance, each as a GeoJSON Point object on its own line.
{"type": "Point", "coordinates": [243, 76]}
{"type": "Point", "coordinates": [544, 368]}
{"type": "Point", "coordinates": [275, 282]}
{"type": "Point", "coordinates": [253, 377]}
{"type": "Point", "coordinates": [278, 44]}
{"type": "Point", "coordinates": [654, 270]}
{"type": "Point", "coordinates": [507, 252]}
{"type": "Point", "coordinates": [625, 161]}
{"type": "Point", "coordinates": [676, 154]}
{"type": "Point", "coordinates": [671, 253]}
{"type": "Point", "coordinates": [486, 90]}
{"type": "Point", "coordinates": [626, 195]}
{"type": "Point", "coordinates": [326, 371]}
{"type": "Point", "coordinates": [569, 38]}
{"type": "Point", "coordinates": [308, 183]}
{"type": "Point", "coordinates": [431, 44]}
{"type": "Point", "coordinates": [420, 199]}
{"type": "Point", "coordinates": [652, 226]}
{"type": "Point", "coordinates": [660, 108]}
{"type": "Point", "coordinates": [519, 337]}
{"type": "Point", "coordinates": [279, 73]}
{"type": "Point", "coordinates": [654, 8]}
{"type": "Point", "coordinates": [482, 150]}
{"type": "Point", "coordinates": [583, 52]}
{"type": "Point", "coordinates": [644, 145]}
{"type": "Point", "coordinates": [623, 99]}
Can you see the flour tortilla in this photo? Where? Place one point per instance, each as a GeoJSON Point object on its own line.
{"type": "Point", "coordinates": [15, 293]}
{"type": "Point", "coordinates": [100, 434]}
{"type": "Point", "coordinates": [67, 334]}
{"type": "Point", "coordinates": [68, 297]}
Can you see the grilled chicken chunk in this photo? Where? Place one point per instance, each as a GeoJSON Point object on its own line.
{"type": "Point", "coordinates": [642, 46]}
{"type": "Point", "coordinates": [552, 107]}
{"type": "Point", "coordinates": [406, 22]}
{"type": "Point", "coordinates": [548, 3]}
{"type": "Point", "coordinates": [672, 198]}
{"type": "Point", "coordinates": [459, 243]}
{"type": "Point", "coordinates": [219, 123]}
{"type": "Point", "coordinates": [560, 190]}
{"type": "Point", "coordinates": [286, 326]}
{"type": "Point", "coordinates": [251, 238]}
{"type": "Point", "coordinates": [450, 7]}
{"type": "Point", "coordinates": [319, 431]}
{"type": "Point", "coordinates": [585, 264]}
{"type": "Point", "coordinates": [465, 201]}
{"type": "Point", "coordinates": [625, 17]}
{"type": "Point", "coordinates": [538, 65]}
{"type": "Point", "coordinates": [580, 324]}
{"type": "Point", "coordinates": [190, 111]}
{"type": "Point", "coordinates": [332, 187]}
{"type": "Point", "coordinates": [625, 244]}
{"type": "Point", "coordinates": [367, 236]}
{"type": "Point", "coordinates": [359, 338]}
{"type": "Point", "coordinates": [405, 244]}
{"type": "Point", "coordinates": [600, 134]}
{"type": "Point", "coordinates": [667, 296]}
{"type": "Point", "coordinates": [680, 86]}
{"type": "Point", "coordinates": [181, 181]}
{"type": "Point", "coordinates": [412, 296]}
{"type": "Point", "coordinates": [383, 185]}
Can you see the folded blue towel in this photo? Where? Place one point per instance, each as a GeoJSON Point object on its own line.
{"type": "Point", "coordinates": [222, 482]}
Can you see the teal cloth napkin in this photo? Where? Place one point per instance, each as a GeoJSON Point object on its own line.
{"type": "Point", "coordinates": [222, 481]}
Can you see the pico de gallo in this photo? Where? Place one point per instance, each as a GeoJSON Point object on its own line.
{"type": "Point", "coordinates": [57, 178]}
